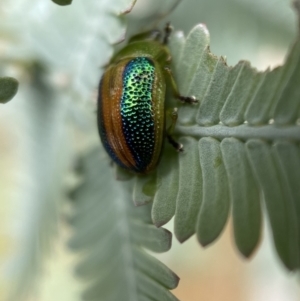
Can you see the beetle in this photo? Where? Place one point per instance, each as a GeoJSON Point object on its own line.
{"type": "Point", "coordinates": [131, 102]}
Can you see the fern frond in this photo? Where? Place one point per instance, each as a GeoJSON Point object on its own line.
{"type": "Point", "coordinates": [241, 148]}
{"type": "Point", "coordinates": [111, 234]}
{"type": "Point", "coordinates": [68, 43]}
{"type": "Point", "coordinates": [44, 153]}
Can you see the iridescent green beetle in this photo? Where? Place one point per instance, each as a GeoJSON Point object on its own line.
{"type": "Point", "coordinates": [131, 102]}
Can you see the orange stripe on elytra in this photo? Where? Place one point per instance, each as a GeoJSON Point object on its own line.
{"type": "Point", "coordinates": [111, 96]}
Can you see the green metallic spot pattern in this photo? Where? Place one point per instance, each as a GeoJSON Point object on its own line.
{"type": "Point", "coordinates": [137, 110]}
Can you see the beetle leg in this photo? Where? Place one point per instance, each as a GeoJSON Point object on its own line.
{"type": "Point", "coordinates": [170, 130]}
{"type": "Point", "coordinates": [184, 99]}
{"type": "Point", "coordinates": [168, 31]}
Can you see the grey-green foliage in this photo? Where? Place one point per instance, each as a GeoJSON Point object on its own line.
{"type": "Point", "coordinates": [40, 120]}
{"type": "Point", "coordinates": [76, 41]}
{"type": "Point", "coordinates": [241, 147]}
{"type": "Point", "coordinates": [8, 88]}
{"type": "Point", "coordinates": [240, 29]}
{"type": "Point", "coordinates": [113, 232]}
{"type": "Point", "coordinates": [63, 43]}
{"type": "Point", "coordinates": [225, 165]}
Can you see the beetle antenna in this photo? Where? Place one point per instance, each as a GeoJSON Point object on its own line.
{"type": "Point", "coordinates": [168, 31]}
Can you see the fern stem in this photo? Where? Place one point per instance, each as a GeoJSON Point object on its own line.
{"type": "Point", "coordinates": [243, 132]}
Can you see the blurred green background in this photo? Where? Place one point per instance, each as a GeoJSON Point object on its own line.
{"type": "Point", "coordinates": [260, 31]}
